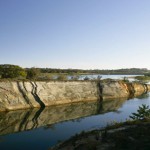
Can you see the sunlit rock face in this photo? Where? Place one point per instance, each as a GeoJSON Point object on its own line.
{"type": "Point", "coordinates": [148, 87]}
{"type": "Point", "coordinates": [23, 120]}
{"type": "Point", "coordinates": [52, 93]}
{"type": "Point", "coordinates": [113, 90]}
{"type": "Point", "coordinates": [24, 95]}
{"type": "Point", "coordinates": [139, 89]}
{"type": "Point", "coordinates": [16, 95]}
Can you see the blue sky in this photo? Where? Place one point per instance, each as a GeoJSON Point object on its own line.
{"type": "Point", "coordinates": [86, 34]}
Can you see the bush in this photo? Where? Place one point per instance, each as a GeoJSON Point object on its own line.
{"type": "Point", "coordinates": [86, 78]}
{"type": "Point", "coordinates": [62, 77]}
{"type": "Point", "coordinates": [125, 79]}
{"type": "Point", "coordinates": [142, 113]}
{"type": "Point", "coordinates": [99, 77]}
{"type": "Point", "coordinates": [147, 74]}
{"type": "Point", "coordinates": [12, 71]}
{"type": "Point", "coordinates": [142, 78]}
{"type": "Point", "coordinates": [75, 78]}
{"type": "Point", "coordinates": [33, 73]}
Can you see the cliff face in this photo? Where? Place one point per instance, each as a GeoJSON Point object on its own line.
{"type": "Point", "coordinates": [115, 90]}
{"type": "Point", "coordinates": [22, 95]}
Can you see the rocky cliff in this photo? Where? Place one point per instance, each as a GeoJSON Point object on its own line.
{"type": "Point", "coordinates": [23, 95]}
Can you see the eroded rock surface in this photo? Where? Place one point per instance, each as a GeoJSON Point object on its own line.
{"type": "Point", "coordinates": [23, 95]}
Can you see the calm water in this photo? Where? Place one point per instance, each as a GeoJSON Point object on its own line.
{"type": "Point", "coordinates": [39, 130]}
{"type": "Point", "coordinates": [94, 76]}
{"type": "Point", "coordinates": [108, 76]}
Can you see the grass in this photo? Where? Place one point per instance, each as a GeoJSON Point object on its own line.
{"type": "Point", "coordinates": [143, 78]}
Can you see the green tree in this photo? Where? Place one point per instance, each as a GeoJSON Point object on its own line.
{"type": "Point", "coordinates": [33, 73]}
{"type": "Point", "coordinates": [12, 71]}
{"type": "Point", "coordinates": [142, 113]}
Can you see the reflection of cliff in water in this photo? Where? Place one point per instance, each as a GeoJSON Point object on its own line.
{"type": "Point", "coordinates": [22, 120]}
{"type": "Point", "coordinates": [145, 95]}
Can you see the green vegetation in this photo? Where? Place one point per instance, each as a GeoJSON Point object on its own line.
{"type": "Point", "coordinates": [86, 78]}
{"type": "Point", "coordinates": [125, 79]}
{"type": "Point", "coordinates": [33, 73]}
{"type": "Point", "coordinates": [143, 78]}
{"type": "Point", "coordinates": [142, 113]}
{"type": "Point", "coordinates": [147, 74]}
{"type": "Point", "coordinates": [62, 77]}
{"type": "Point", "coordinates": [47, 76]}
{"type": "Point", "coordinates": [132, 71]}
{"type": "Point", "coordinates": [12, 71]}
{"type": "Point", "coordinates": [75, 77]}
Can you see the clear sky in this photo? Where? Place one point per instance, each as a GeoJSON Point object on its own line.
{"type": "Point", "coordinates": [86, 34]}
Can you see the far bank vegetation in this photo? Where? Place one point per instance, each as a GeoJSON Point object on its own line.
{"type": "Point", "coordinates": [9, 71]}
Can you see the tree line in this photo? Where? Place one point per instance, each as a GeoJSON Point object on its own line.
{"type": "Point", "coordinates": [132, 71]}
{"type": "Point", "coordinates": [15, 71]}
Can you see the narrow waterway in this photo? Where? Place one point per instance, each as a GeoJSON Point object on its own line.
{"type": "Point", "coordinates": [42, 129]}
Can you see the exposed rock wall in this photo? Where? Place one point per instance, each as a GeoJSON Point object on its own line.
{"type": "Point", "coordinates": [115, 90]}
{"type": "Point", "coordinates": [22, 95]}
{"type": "Point", "coordinates": [52, 93]}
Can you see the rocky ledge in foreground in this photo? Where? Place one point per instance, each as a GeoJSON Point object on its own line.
{"type": "Point", "coordinates": [127, 136]}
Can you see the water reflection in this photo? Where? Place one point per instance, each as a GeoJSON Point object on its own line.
{"type": "Point", "coordinates": [23, 120]}
{"type": "Point", "coordinates": [143, 96]}
{"type": "Point", "coordinates": [59, 123]}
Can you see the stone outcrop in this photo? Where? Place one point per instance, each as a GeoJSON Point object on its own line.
{"type": "Point", "coordinates": [23, 95]}
{"type": "Point", "coordinates": [115, 90]}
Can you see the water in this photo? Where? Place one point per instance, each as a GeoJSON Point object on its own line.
{"type": "Point", "coordinates": [94, 76]}
{"type": "Point", "coordinates": [21, 130]}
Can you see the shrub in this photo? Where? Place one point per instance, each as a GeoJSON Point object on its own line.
{"type": "Point", "coordinates": [125, 79]}
{"type": "Point", "coordinates": [86, 78]}
{"type": "Point", "coordinates": [12, 71]}
{"type": "Point", "coordinates": [147, 74]}
{"type": "Point", "coordinates": [32, 73]}
{"type": "Point", "coordinates": [62, 77]}
{"type": "Point", "coordinates": [75, 77]}
{"type": "Point", "coordinates": [142, 113]}
{"type": "Point", "coordinates": [99, 77]}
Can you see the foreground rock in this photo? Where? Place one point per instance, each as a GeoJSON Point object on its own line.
{"type": "Point", "coordinates": [23, 95]}
{"type": "Point", "coordinates": [128, 136]}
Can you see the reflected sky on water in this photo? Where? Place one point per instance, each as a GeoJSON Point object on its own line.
{"type": "Point", "coordinates": [19, 131]}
